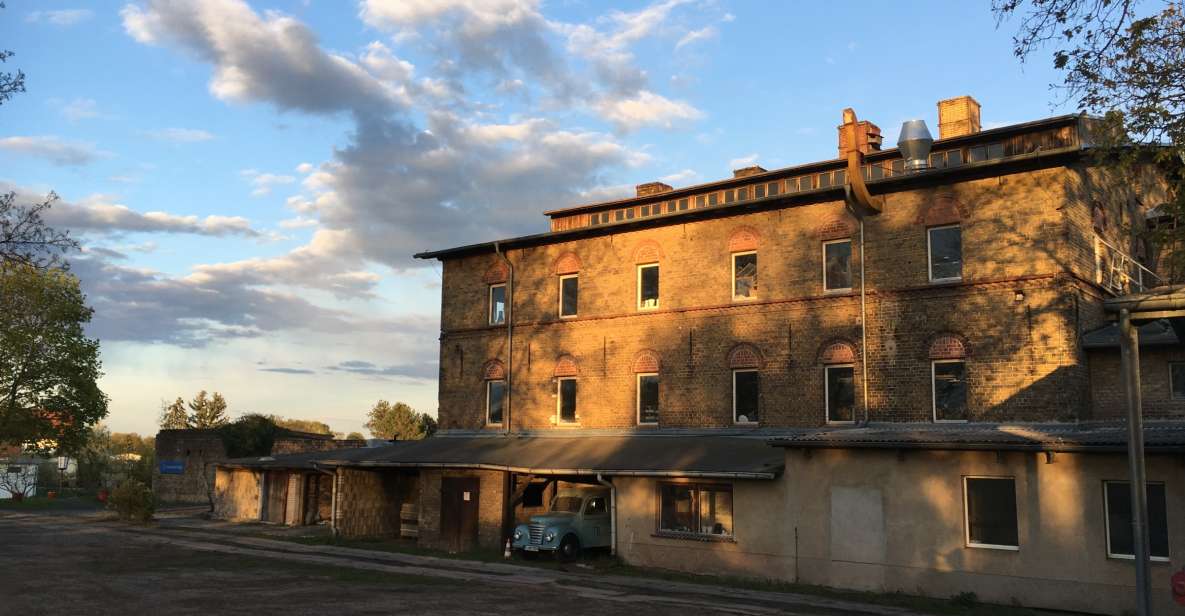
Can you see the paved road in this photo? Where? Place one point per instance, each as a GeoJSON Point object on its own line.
{"type": "Point", "coordinates": [79, 565]}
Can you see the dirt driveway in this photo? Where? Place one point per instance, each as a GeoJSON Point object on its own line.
{"type": "Point", "coordinates": [75, 565]}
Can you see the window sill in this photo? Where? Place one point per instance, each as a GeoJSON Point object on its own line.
{"type": "Point", "coordinates": [665, 534]}
{"type": "Point", "coordinates": [945, 281]}
{"type": "Point", "coordinates": [744, 299]}
{"type": "Point", "coordinates": [746, 424]}
{"type": "Point", "coordinates": [988, 546]}
{"type": "Point", "coordinates": [847, 291]}
{"type": "Point", "coordinates": [1156, 560]}
{"type": "Point", "coordinates": [951, 421]}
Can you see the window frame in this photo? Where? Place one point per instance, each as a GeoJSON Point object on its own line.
{"type": "Point", "coordinates": [851, 281]}
{"type": "Point", "coordinates": [489, 385]}
{"type": "Point", "coordinates": [967, 543]}
{"type": "Point", "coordinates": [1107, 520]}
{"type": "Point", "coordinates": [732, 257]}
{"type": "Point", "coordinates": [560, 299]}
{"type": "Point", "coordinates": [638, 397]}
{"type": "Point", "coordinates": [658, 300]}
{"type": "Point", "coordinates": [490, 312]}
{"type": "Point", "coordinates": [559, 402]}
{"type": "Point", "coordinates": [695, 487]}
{"type": "Point", "coordinates": [827, 395]}
{"type": "Point", "coordinates": [934, 389]}
{"type": "Point", "coordinates": [1172, 386]}
{"type": "Point", "coordinates": [930, 253]}
{"type": "Point", "coordinates": [735, 421]}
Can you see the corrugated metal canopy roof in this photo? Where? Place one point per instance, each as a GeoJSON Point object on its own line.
{"type": "Point", "coordinates": [635, 455]}
{"type": "Point", "coordinates": [1153, 333]}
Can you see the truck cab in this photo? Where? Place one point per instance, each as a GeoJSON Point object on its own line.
{"type": "Point", "coordinates": [577, 519]}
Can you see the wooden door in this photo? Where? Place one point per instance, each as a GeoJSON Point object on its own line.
{"type": "Point", "coordinates": [277, 496]}
{"type": "Point", "coordinates": [458, 512]}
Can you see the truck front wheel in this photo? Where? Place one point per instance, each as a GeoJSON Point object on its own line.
{"type": "Point", "coordinates": [569, 549]}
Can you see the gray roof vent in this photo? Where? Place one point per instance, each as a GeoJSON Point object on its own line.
{"type": "Point", "coordinates": [914, 143]}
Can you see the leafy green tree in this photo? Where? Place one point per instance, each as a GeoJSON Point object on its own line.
{"type": "Point", "coordinates": [173, 416]}
{"type": "Point", "coordinates": [355, 436]}
{"type": "Point", "coordinates": [49, 369]}
{"type": "Point", "coordinates": [248, 436]}
{"type": "Point", "coordinates": [207, 411]}
{"type": "Point", "coordinates": [302, 425]}
{"type": "Point", "coordinates": [398, 421]}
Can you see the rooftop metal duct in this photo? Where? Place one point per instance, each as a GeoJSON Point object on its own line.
{"type": "Point", "coordinates": [914, 143]}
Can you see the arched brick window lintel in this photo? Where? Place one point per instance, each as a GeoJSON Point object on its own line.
{"type": "Point", "coordinates": [942, 210]}
{"type": "Point", "coordinates": [567, 263]}
{"type": "Point", "coordinates": [838, 351]}
{"type": "Point", "coordinates": [646, 361]}
{"type": "Point", "coordinates": [744, 355]}
{"type": "Point", "coordinates": [948, 346]}
{"type": "Point", "coordinates": [493, 370]}
{"type": "Point", "coordinates": [498, 273]}
{"type": "Point", "coordinates": [648, 251]}
{"type": "Point", "coordinates": [835, 228]}
{"type": "Point", "coordinates": [743, 239]}
{"type": "Point", "coordinates": [565, 366]}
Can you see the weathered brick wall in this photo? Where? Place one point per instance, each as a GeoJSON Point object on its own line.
{"type": "Point", "coordinates": [298, 444]}
{"type": "Point", "coordinates": [368, 502]}
{"type": "Point", "coordinates": [199, 450]}
{"type": "Point", "coordinates": [1108, 397]}
{"type": "Point", "coordinates": [1021, 308]}
{"type": "Point", "coordinates": [236, 494]}
{"type": "Point", "coordinates": [491, 507]}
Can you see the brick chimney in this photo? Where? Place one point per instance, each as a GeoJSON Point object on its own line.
{"type": "Point", "coordinates": [868, 136]}
{"type": "Point", "coordinates": [957, 117]}
{"type": "Point", "coordinates": [745, 172]}
{"type": "Point", "coordinates": [652, 188]}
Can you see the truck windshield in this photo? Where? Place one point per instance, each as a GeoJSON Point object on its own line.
{"type": "Point", "coordinates": [568, 504]}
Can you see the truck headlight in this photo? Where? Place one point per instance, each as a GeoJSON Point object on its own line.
{"type": "Point", "coordinates": [549, 536]}
{"type": "Point", "coordinates": [518, 534]}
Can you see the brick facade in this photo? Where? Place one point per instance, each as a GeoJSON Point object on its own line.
{"type": "Point", "coordinates": [492, 514]}
{"type": "Point", "coordinates": [198, 451]}
{"type": "Point", "coordinates": [368, 502]}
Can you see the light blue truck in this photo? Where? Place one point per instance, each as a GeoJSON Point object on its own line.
{"type": "Point", "coordinates": [578, 519]}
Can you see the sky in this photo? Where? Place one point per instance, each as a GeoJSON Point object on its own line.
{"type": "Point", "coordinates": [250, 180]}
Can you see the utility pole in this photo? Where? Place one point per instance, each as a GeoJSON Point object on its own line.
{"type": "Point", "coordinates": [1129, 352]}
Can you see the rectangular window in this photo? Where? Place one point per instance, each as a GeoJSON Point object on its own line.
{"type": "Point", "coordinates": [876, 171]}
{"type": "Point", "coordinates": [938, 160]}
{"type": "Point", "coordinates": [898, 166]}
{"type": "Point", "coordinates": [648, 286]}
{"type": "Point", "coordinates": [945, 246]}
{"type": "Point", "coordinates": [746, 393]}
{"type": "Point", "coordinates": [730, 196]}
{"type": "Point", "coordinates": [825, 180]}
{"type": "Point", "coordinates": [569, 295]}
{"type": "Point", "coordinates": [495, 397]}
{"type": "Point", "coordinates": [645, 211]}
{"type": "Point", "coordinates": [841, 393]}
{"type": "Point", "coordinates": [806, 183]}
{"type": "Point", "coordinates": [950, 390]}
{"type": "Point", "coordinates": [619, 215]}
{"type": "Point", "coordinates": [837, 265]}
{"type": "Point", "coordinates": [1177, 380]}
{"type": "Point", "coordinates": [990, 506]}
{"type": "Point", "coordinates": [670, 207]}
{"type": "Point", "coordinates": [841, 177]}
{"type": "Point", "coordinates": [703, 510]}
{"type": "Point", "coordinates": [1118, 504]}
{"type": "Point", "coordinates": [744, 275]}
{"type": "Point", "coordinates": [742, 194]}
{"type": "Point", "coordinates": [648, 398]}
{"type": "Point", "coordinates": [714, 199]}
{"type": "Point", "coordinates": [759, 191]}
{"type": "Point", "coordinates": [774, 188]}
{"type": "Point", "coordinates": [954, 158]}
{"type": "Point", "coordinates": [629, 214]}
{"type": "Point", "coordinates": [682, 204]}
{"type": "Point", "coordinates": [497, 304]}
{"type": "Point", "coordinates": [701, 201]}
{"type": "Point", "coordinates": [567, 400]}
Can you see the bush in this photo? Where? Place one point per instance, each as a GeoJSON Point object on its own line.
{"type": "Point", "coordinates": [133, 501]}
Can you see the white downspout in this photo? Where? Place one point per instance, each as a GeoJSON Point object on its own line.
{"type": "Point", "coordinates": [612, 513]}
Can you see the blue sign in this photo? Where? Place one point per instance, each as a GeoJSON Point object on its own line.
{"type": "Point", "coordinates": [171, 467]}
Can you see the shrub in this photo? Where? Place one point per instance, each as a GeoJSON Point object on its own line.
{"type": "Point", "coordinates": [133, 501]}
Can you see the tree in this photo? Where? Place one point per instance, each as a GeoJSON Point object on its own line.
{"type": "Point", "coordinates": [398, 422]}
{"type": "Point", "coordinates": [26, 239]}
{"type": "Point", "coordinates": [173, 416]}
{"type": "Point", "coordinates": [207, 411]}
{"type": "Point", "coordinates": [10, 83]}
{"type": "Point", "coordinates": [355, 436]}
{"type": "Point", "coordinates": [49, 369]}
{"type": "Point", "coordinates": [1122, 60]}
{"type": "Point", "coordinates": [302, 425]}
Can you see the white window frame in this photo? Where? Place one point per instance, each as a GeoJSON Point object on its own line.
{"type": "Point", "coordinates": [490, 305]}
{"type": "Point", "coordinates": [967, 516]}
{"type": "Point", "coordinates": [638, 397]}
{"type": "Point", "coordinates": [559, 402]}
{"type": "Point", "coordinates": [930, 259]}
{"type": "Point", "coordinates": [1107, 522]}
{"type": "Point", "coordinates": [734, 397]}
{"type": "Point", "coordinates": [559, 309]}
{"type": "Point", "coordinates": [732, 257]}
{"type": "Point", "coordinates": [934, 388]}
{"type": "Point", "coordinates": [489, 384]}
{"type": "Point", "coordinates": [827, 394]}
{"type": "Point", "coordinates": [848, 288]}
{"type": "Point", "coordinates": [1172, 386]}
{"type": "Point", "coordinates": [639, 286]}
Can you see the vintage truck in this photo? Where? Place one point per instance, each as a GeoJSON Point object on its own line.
{"type": "Point", "coordinates": [578, 519]}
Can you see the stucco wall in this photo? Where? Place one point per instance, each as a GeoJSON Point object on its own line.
{"type": "Point", "coordinates": [874, 520]}
{"type": "Point", "coordinates": [763, 547]}
{"type": "Point", "coordinates": [236, 494]}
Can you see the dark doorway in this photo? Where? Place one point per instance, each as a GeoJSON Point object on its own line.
{"type": "Point", "coordinates": [458, 512]}
{"type": "Point", "coordinates": [277, 497]}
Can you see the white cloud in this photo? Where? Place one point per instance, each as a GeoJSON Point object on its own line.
{"type": "Point", "coordinates": [63, 17]}
{"type": "Point", "coordinates": [54, 149]}
{"type": "Point", "coordinates": [181, 135]}
{"type": "Point", "coordinates": [263, 183]}
{"type": "Point", "coordinates": [78, 109]}
{"type": "Point", "coordinates": [679, 177]}
{"type": "Point", "coordinates": [305, 168]}
{"type": "Point", "coordinates": [742, 162]}
{"type": "Point", "coordinates": [300, 222]}
{"type": "Point", "coordinates": [703, 34]}
{"type": "Point", "coordinates": [646, 109]}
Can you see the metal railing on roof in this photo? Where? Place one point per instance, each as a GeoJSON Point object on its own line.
{"type": "Point", "coordinates": [1119, 273]}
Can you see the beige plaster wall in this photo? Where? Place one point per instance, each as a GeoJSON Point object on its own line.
{"type": "Point", "coordinates": [236, 495]}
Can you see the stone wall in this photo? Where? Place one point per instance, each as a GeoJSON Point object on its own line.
{"type": "Point", "coordinates": [236, 495]}
{"type": "Point", "coordinates": [296, 443]}
{"type": "Point", "coordinates": [1025, 299]}
{"type": "Point", "coordinates": [198, 451]}
{"type": "Point", "coordinates": [491, 507]}
{"type": "Point", "coordinates": [368, 502]}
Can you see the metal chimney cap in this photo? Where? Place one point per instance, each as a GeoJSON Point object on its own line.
{"type": "Point", "coordinates": [914, 143]}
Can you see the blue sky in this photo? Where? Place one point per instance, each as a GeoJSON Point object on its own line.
{"type": "Point", "coordinates": [250, 180]}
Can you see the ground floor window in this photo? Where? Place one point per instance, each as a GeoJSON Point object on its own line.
{"type": "Point", "coordinates": [495, 399]}
{"type": "Point", "coordinates": [990, 508]}
{"type": "Point", "coordinates": [567, 400]}
{"type": "Point", "coordinates": [841, 393]}
{"type": "Point", "coordinates": [1118, 503]}
{"type": "Point", "coordinates": [695, 509]}
{"type": "Point", "coordinates": [746, 387]}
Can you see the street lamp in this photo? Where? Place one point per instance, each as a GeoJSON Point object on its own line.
{"type": "Point", "coordinates": [63, 464]}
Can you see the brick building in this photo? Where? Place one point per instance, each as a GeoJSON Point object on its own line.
{"type": "Point", "coordinates": [933, 376]}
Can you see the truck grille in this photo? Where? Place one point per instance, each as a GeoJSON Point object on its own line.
{"type": "Point", "coordinates": [536, 532]}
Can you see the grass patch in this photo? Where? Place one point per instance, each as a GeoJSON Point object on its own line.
{"type": "Point", "coordinates": [41, 503]}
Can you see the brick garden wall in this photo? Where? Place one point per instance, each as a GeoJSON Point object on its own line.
{"type": "Point", "coordinates": [198, 450]}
